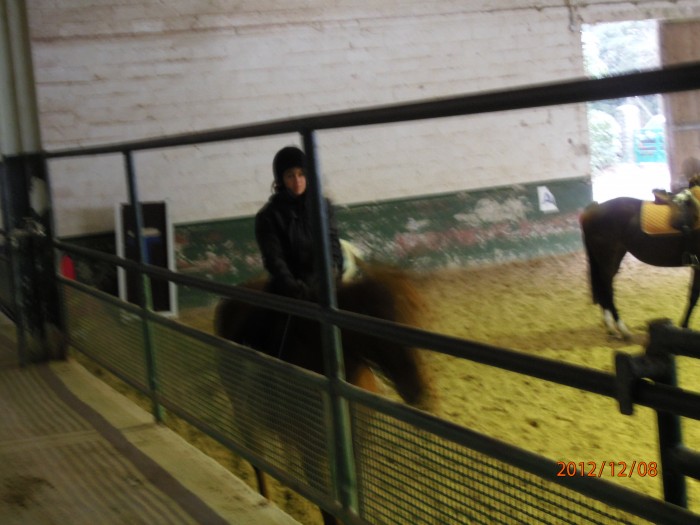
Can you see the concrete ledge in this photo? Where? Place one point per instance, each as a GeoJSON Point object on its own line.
{"type": "Point", "coordinates": [216, 487]}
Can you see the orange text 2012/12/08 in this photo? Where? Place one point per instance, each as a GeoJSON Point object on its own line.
{"type": "Point", "coordinates": [613, 469]}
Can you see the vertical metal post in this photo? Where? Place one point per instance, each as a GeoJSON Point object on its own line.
{"type": "Point", "coordinates": [143, 285]}
{"type": "Point", "coordinates": [10, 141]}
{"type": "Point", "coordinates": [26, 199]}
{"type": "Point", "coordinates": [33, 267]}
{"type": "Point", "coordinates": [341, 435]}
{"type": "Point", "coordinates": [18, 94]}
{"type": "Point", "coordinates": [670, 438]}
{"type": "Point", "coordinates": [13, 279]}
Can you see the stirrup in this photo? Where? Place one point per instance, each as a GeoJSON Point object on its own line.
{"type": "Point", "coordinates": [690, 259]}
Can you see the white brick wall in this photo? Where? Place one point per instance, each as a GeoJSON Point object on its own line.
{"type": "Point", "coordinates": [118, 70]}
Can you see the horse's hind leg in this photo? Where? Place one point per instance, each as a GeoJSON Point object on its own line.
{"type": "Point", "coordinates": [329, 519]}
{"type": "Point", "coordinates": [604, 261]}
{"type": "Point", "coordinates": [611, 316]}
{"type": "Point", "coordinates": [404, 367]}
{"type": "Point", "coordinates": [262, 483]}
{"type": "Point", "coordinates": [614, 324]}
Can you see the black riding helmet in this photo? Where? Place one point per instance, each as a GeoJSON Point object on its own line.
{"type": "Point", "coordinates": [288, 157]}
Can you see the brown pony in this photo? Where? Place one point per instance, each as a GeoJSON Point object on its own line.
{"type": "Point", "coordinates": [381, 292]}
{"type": "Point", "coordinates": [612, 229]}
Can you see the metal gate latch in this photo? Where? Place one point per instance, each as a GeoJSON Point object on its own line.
{"type": "Point", "coordinates": [629, 370]}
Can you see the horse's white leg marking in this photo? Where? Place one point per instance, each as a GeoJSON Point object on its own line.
{"type": "Point", "coordinates": [615, 328]}
{"type": "Point", "coordinates": [609, 322]}
{"type": "Point", "coordinates": [626, 334]}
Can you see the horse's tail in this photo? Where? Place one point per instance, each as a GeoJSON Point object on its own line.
{"type": "Point", "coordinates": [595, 274]}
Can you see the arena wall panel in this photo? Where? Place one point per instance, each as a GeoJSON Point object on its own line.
{"type": "Point", "coordinates": [122, 71]}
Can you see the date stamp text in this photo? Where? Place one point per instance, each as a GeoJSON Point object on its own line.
{"type": "Point", "coordinates": [613, 469]}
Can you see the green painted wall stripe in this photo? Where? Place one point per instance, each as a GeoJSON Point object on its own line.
{"type": "Point", "coordinates": [454, 229]}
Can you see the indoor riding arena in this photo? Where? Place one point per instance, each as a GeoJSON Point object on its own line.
{"type": "Point", "coordinates": [461, 148]}
{"type": "Point", "coordinates": [542, 307]}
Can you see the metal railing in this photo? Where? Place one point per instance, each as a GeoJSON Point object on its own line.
{"type": "Point", "coordinates": [348, 499]}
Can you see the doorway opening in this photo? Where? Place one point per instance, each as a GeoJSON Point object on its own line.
{"type": "Point", "coordinates": [627, 136]}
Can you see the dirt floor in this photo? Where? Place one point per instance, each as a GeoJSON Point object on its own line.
{"type": "Point", "coordinates": [541, 308]}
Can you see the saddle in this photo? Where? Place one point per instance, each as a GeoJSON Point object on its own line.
{"type": "Point", "coordinates": [684, 208]}
{"type": "Point", "coordinates": [672, 212]}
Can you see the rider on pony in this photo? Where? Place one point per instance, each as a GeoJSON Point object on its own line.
{"type": "Point", "coordinates": [284, 235]}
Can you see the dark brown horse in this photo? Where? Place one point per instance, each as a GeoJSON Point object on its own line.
{"type": "Point", "coordinates": [612, 229]}
{"type": "Point", "coordinates": [381, 292]}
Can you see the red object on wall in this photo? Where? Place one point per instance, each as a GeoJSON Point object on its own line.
{"type": "Point", "coordinates": [67, 268]}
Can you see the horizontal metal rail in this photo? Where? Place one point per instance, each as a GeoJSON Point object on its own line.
{"type": "Point", "coordinates": [652, 395]}
{"type": "Point", "coordinates": [686, 461]}
{"type": "Point", "coordinates": [680, 342]}
{"type": "Point", "coordinates": [673, 78]}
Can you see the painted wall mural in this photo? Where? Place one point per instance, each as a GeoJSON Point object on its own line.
{"type": "Point", "coordinates": [448, 230]}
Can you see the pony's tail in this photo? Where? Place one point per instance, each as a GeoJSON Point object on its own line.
{"type": "Point", "coordinates": [594, 271]}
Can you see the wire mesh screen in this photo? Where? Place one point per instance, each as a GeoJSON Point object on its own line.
{"type": "Point", "coordinates": [111, 335]}
{"type": "Point", "coordinates": [272, 410]}
{"type": "Point", "coordinates": [409, 475]}
{"type": "Point", "coordinates": [280, 414]}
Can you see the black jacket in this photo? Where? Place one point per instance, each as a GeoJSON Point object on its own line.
{"type": "Point", "coordinates": [284, 235]}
